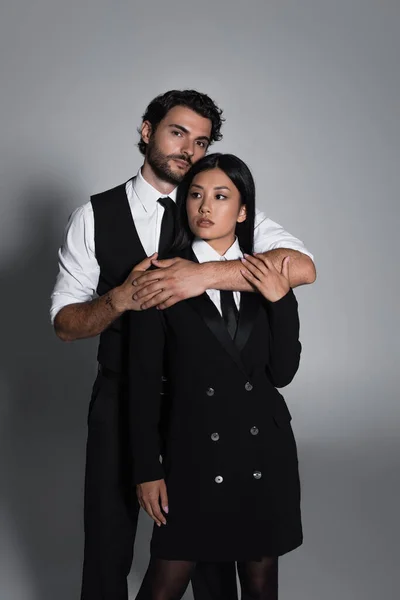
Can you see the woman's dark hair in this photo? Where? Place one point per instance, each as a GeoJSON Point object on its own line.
{"type": "Point", "coordinates": [199, 103]}
{"type": "Point", "coordinates": [240, 175]}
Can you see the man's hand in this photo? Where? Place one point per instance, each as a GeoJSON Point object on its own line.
{"type": "Point", "coordinates": [265, 277]}
{"type": "Point", "coordinates": [122, 296]}
{"type": "Point", "coordinates": [152, 496]}
{"type": "Point", "coordinates": [175, 279]}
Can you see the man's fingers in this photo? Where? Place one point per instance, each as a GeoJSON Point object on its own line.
{"type": "Point", "coordinates": [146, 290]}
{"type": "Point", "coordinates": [146, 297]}
{"type": "Point", "coordinates": [156, 300]}
{"type": "Point", "coordinates": [146, 263]}
{"type": "Point", "coordinates": [169, 302]}
{"type": "Point", "coordinates": [165, 262]}
{"type": "Point", "coordinates": [148, 277]}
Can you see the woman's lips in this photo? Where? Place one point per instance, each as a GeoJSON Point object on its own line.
{"type": "Point", "coordinates": [204, 223]}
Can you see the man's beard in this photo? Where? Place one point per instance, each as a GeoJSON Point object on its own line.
{"type": "Point", "coordinates": [159, 163]}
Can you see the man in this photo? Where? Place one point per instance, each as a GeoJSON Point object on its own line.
{"type": "Point", "coordinates": [104, 241]}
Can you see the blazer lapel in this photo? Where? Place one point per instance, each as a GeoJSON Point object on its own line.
{"type": "Point", "coordinates": [207, 310]}
{"type": "Point", "coordinates": [212, 318]}
{"type": "Point", "coordinates": [249, 307]}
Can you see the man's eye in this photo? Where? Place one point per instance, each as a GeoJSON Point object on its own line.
{"type": "Point", "coordinates": [201, 144]}
{"type": "Point", "coordinates": [177, 132]}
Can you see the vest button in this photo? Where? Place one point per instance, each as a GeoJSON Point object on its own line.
{"type": "Point", "coordinates": [247, 386]}
{"type": "Point", "coordinates": [257, 475]}
{"type": "Point", "coordinates": [219, 479]}
{"type": "Point", "coordinates": [215, 437]}
{"type": "Point", "coordinates": [210, 391]}
{"type": "Point", "coordinates": [254, 430]}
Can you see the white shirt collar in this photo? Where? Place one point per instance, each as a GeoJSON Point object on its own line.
{"type": "Point", "coordinates": [147, 194]}
{"type": "Point", "coordinates": [205, 253]}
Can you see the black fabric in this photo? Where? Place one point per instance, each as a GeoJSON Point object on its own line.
{"type": "Point", "coordinates": [118, 249]}
{"type": "Point", "coordinates": [111, 508]}
{"type": "Point", "coordinates": [230, 313]}
{"type": "Point", "coordinates": [217, 389]}
{"type": "Point", "coordinates": [167, 233]}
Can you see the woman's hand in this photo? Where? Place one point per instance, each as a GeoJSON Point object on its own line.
{"type": "Point", "coordinates": [265, 277]}
{"type": "Point", "coordinates": [152, 496]}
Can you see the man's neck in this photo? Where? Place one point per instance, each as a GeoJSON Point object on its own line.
{"type": "Point", "coordinates": [161, 186]}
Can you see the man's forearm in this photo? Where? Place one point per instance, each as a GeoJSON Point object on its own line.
{"type": "Point", "coordinates": [86, 319]}
{"type": "Point", "coordinates": [226, 275]}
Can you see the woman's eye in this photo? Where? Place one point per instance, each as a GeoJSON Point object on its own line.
{"type": "Point", "coordinates": [220, 197]}
{"type": "Point", "coordinates": [194, 194]}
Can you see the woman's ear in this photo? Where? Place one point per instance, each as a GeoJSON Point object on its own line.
{"type": "Point", "coordinates": [146, 131]}
{"type": "Point", "coordinates": [242, 214]}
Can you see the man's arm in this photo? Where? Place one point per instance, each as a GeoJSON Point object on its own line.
{"type": "Point", "coordinates": [178, 279]}
{"type": "Point", "coordinates": [76, 312]}
{"type": "Point", "coordinates": [226, 275]}
{"type": "Point", "coordinates": [88, 319]}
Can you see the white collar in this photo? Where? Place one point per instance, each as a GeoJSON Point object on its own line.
{"type": "Point", "coordinates": [147, 194]}
{"type": "Point", "coordinates": [205, 253]}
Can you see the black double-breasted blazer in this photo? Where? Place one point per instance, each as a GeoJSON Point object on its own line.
{"type": "Point", "coordinates": [229, 454]}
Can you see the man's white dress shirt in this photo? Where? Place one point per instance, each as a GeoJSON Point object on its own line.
{"type": "Point", "coordinates": [79, 270]}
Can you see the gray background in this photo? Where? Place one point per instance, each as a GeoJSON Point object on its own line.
{"type": "Point", "coordinates": [311, 96]}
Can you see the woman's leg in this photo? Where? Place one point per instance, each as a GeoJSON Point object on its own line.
{"type": "Point", "coordinates": [259, 579]}
{"type": "Point", "coordinates": [166, 579]}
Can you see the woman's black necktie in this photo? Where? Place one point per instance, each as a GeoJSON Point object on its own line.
{"type": "Point", "coordinates": [167, 233]}
{"type": "Point", "coordinates": [230, 312]}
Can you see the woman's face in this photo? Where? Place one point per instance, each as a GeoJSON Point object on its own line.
{"type": "Point", "coordinates": [213, 208]}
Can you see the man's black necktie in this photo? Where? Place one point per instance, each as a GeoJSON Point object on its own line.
{"type": "Point", "coordinates": [230, 312]}
{"type": "Point", "coordinates": [167, 234]}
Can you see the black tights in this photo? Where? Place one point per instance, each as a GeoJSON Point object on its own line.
{"type": "Point", "coordinates": [169, 579]}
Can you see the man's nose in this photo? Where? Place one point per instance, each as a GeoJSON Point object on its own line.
{"type": "Point", "coordinates": [188, 148]}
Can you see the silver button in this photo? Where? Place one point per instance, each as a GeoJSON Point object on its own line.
{"type": "Point", "coordinates": [254, 430]}
{"type": "Point", "coordinates": [219, 479]}
{"type": "Point", "coordinates": [163, 378]}
{"type": "Point", "coordinates": [215, 437]}
{"type": "Point", "coordinates": [257, 475]}
{"type": "Point", "coordinates": [248, 387]}
{"type": "Point", "coordinates": [210, 391]}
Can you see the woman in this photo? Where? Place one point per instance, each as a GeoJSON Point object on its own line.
{"type": "Point", "coordinates": [228, 486]}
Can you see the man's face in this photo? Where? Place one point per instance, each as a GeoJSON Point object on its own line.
{"type": "Point", "coordinates": [180, 139]}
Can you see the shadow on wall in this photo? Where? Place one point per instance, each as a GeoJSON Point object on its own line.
{"type": "Point", "coordinates": [46, 387]}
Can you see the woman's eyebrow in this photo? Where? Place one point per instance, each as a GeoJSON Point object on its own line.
{"type": "Point", "coordinates": [217, 187]}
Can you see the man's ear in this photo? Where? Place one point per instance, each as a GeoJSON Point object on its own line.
{"type": "Point", "coordinates": [242, 214]}
{"type": "Point", "coordinates": [146, 131]}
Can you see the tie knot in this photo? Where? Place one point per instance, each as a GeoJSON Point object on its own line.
{"type": "Point", "coordinates": [167, 203]}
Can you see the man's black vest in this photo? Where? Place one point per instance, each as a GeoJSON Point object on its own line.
{"type": "Point", "coordinates": [118, 249]}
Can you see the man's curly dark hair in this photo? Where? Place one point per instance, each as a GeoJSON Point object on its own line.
{"type": "Point", "coordinates": [199, 103]}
